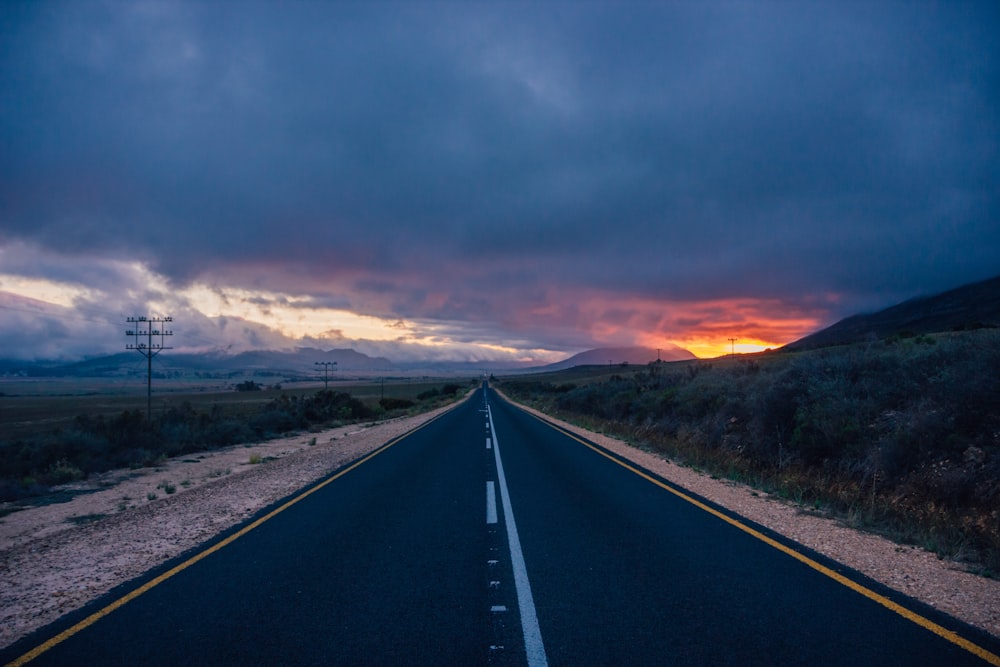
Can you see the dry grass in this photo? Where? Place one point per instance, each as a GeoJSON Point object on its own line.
{"type": "Point", "coordinates": [898, 436]}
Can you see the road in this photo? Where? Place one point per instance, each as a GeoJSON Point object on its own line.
{"type": "Point", "coordinates": [489, 537]}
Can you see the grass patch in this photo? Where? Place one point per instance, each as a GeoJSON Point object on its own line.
{"type": "Point", "coordinates": [898, 437]}
{"type": "Point", "coordinates": [86, 518]}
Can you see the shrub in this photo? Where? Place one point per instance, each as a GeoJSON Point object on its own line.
{"type": "Point", "coordinates": [101, 443]}
{"type": "Point", "coordinates": [273, 422]}
{"type": "Point", "coordinates": [224, 432]}
{"type": "Point", "coordinates": [906, 428]}
{"type": "Point", "coordinates": [61, 472]}
{"type": "Point", "coordinates": [395, 403]}
{"type": "Point", "coordinates": [248, 385]}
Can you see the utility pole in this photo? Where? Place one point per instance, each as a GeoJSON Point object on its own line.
{"type": "Point", "coordinates": [732, 342]}
{"type": "Point", "coordinates": [326, 371]}
{"type": "Point", "coordinates": [148, 349]}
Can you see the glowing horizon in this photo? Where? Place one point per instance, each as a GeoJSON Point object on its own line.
{"type": "Point", "coordinates": [711, 349]}
{"type": "Point", "coordinates": [702, 328]}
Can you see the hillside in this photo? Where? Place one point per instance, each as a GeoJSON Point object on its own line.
{"type": "Point", "coordinates": [973, 306]}
{"type": "Point", "coordinates": [620, 355]}
{"type": "Point", "coordinates": [899, 435]}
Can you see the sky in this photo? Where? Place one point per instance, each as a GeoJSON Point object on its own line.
{"type": "Point", "coordinates": [488, 181]}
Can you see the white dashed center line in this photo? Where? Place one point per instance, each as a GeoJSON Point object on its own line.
{"type": "Point", "coordinates": [491, 503]}
{"type": "Point", "coordinates": [525, 602]}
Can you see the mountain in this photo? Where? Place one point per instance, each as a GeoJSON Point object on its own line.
{"type": "Point", "coordinates": [972, 306]}
{"type": "Point", "coordinates": [620, 355]}
{"type": "Point", "coordinates": [300, 362]}
{"type": "Point", "coordinates": [304, 359]}
{"type": "Point", "coordinates": [461, 367]}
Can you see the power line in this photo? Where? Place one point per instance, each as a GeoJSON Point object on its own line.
{"type": "Point", "coordinates": [326, 371]}
{"type": "Point", "coordinates": [148, 349]}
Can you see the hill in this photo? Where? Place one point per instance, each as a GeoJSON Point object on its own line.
{"type": "Point", "coordinates": [301, 361]}
{"type": "Point", "coordinates": [620, 355]}
{"type": "Point", "coordinates": [900, 436]}
{"type": "Point", "coordinates": [973, 306]}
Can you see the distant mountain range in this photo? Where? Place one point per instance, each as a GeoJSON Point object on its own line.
{"type": "Point", "coordinates": [297, 363]}
{"type": "Point", "coordinates": [968, 307]}
{"type": "Point", "coordinates": [302, 363]}
{"type": "Point", "coordinates": [620, 355]}
{"type": "Point", "coordinates": [972, 306]}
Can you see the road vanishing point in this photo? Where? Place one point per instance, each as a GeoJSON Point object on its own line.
{"type": "Point", "coordinates": [489, 536]}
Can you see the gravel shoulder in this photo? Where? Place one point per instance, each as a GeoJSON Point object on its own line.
{"type": "Point", "coordinates": [55, 558]}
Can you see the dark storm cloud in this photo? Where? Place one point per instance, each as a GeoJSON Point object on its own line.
{"type": "Point", "coordinates": [481, 163]}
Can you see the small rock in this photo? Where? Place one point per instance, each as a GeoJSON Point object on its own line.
{"type": "Point", "coordinates": [974, 456]}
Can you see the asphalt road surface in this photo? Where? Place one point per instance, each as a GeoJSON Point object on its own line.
{"type": "Point", "coordinates": [489, 537]}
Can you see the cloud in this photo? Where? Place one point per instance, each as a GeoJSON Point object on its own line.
{"type": "Point", "coordinates": [483, 170]}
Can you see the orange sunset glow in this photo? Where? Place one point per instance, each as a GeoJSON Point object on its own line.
{"type": "Point", "coordinates": [702, 327]}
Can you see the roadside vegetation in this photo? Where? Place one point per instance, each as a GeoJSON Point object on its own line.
{"type": "Point", "coordinates": [31, 464]}
{"type": "Point", "coordinates": [900, 436]}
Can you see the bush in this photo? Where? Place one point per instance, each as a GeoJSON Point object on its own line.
{"type": "Point", "coordinates": [248, 385]}
{"type": "Point", "coordinates": [61, 472]}
{"type": "Point", "coordinates": [389, 404]}
{"type": "Point", "coordinates": [95, 444]}
{"type": "Point", "coordinates": [224, 432]}
{"type": "Point", "coordinates": [882, 426]}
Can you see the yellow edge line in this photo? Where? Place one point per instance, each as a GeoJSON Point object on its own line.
{"type": "Point", "coordinates": [125, 599]}
{"type": "Point", "coordinates": [909, 615]}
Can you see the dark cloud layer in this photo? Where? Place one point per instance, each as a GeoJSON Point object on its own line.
{"type": "Point", "coordinates": [486, 163]}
